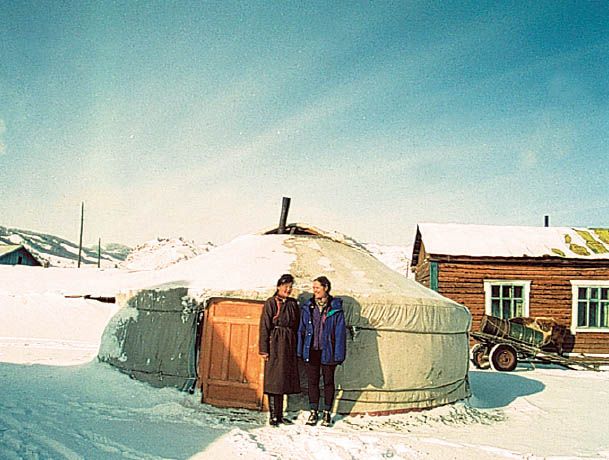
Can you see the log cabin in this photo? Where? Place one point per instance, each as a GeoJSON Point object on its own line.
{"type": "Point", "coordinates": [512, 271]}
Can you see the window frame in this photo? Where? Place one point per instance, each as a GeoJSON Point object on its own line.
{"type": "Point", "coordinates": [488, 284]}
{"type": "Point", "coordinates": [575, 285]}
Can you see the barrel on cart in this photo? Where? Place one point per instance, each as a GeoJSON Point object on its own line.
{"type": "Point", "coordinates": [501, 341]}
{"type": "Point", "coordinates": [499, 327]}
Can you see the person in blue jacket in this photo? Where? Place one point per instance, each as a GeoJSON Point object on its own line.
{"type": "Point", "coordinates": [322, 345]}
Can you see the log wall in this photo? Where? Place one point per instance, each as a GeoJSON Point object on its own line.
{"type": "Point", "coordinates": [550, 295]}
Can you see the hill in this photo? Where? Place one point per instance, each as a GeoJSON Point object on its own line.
{"type": "Point", "coordinates": [55, 251]}
{"type": "Point", "coordinates": [162, 252]}
{"type": "Point", "coordinates": [395, 257]}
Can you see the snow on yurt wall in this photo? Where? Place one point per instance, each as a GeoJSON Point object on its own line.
{"type": "Point", "coordinates": [152, 337]}
{"type": "Point", "coordinates": [407, 345]}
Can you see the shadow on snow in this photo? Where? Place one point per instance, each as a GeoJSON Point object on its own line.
{"type": "Point", "coordinates": [493, 390]}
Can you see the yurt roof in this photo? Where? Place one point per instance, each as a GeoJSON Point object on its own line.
{"type": "Point", "coordinates": [249, 266]}
{"type": "Point", "coordinates": [252, 263]}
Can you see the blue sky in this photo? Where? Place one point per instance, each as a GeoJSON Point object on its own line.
{"type": "Point", "coordinates": [194, 119]}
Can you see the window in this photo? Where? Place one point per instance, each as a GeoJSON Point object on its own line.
{"type": "Point", "coordinates": [507, 298]}
{"type": "Point", "coordinates": [590, 306]}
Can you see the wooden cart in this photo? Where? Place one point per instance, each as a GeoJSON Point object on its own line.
{"type": "Point", "coordinates": [503, 353]}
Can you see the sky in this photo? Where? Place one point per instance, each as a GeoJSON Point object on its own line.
{"type": "Point", "coordinates": [194, 119]}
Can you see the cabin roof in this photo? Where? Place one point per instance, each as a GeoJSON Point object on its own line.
{"type": "Point", "coordinates": [8, 248]}
{"type": "Point", "coordinates": [511, 241]}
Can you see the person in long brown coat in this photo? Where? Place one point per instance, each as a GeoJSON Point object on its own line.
{"type": "Point", "coordinates": [278, 327]}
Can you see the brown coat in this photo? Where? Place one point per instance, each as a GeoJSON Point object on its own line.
{"type": "Point", "coordinates": [278, 340]}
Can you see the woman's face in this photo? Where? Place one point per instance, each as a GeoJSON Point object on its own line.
{"type": "Point", "coordinates": [319, 291]}
{"type": "Point", "coordinates": [284, 290]}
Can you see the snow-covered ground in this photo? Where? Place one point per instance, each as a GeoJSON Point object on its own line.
{"type": "Point", "coordinates": [57, 401]}
{"type": "Point", "coordinates": [92, 411]}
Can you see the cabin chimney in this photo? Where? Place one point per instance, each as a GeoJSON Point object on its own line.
{"type": "Point", "coordinates": [285, 207]}
{"type": "Point", "coordinates": [546, 221]}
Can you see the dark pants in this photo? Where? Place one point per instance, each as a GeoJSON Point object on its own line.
{"type": "Point", "coordinates": [275, 405]}
{"type": "Point", "coordinates": [313, 367]}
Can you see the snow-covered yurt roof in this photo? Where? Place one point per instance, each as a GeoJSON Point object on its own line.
{"type": "Point", "coordinates": [511, 241]}
{"type": "Point", "coordinates": [249, 266]}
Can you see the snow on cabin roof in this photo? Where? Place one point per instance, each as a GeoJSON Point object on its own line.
{"type": "Point", "coordinates": [8, 248]}
{"type": "Point", "coordinates": [512, 241]}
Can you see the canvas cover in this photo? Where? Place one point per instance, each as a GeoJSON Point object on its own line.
{"type": "Point", "coordinates": [407, 346]}
{"type": "Point", "coordinates": [152, 337]}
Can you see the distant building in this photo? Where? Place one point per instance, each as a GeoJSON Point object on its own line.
{"type": "Point", "coordinates": [16, 254]}
{"type": "Point", "coordinates": [558, 272]}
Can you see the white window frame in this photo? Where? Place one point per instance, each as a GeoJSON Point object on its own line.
{"type": "Point", "coordinates": [575, 285]}
{"type": "Point", "coordinates": [526, 285]}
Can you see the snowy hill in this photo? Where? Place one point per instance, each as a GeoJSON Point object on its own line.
{"type": "Point", "coordinates": [395, 257]}
{"type": "Point", "coordinates": [163, 252]}
{"type": "Point", "coordinates": [59, 252]}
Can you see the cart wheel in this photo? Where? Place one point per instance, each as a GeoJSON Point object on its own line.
{"type": "Point", "coordinates": [503, 358]}
{"type": "Point", "coordinates": [479, 356]}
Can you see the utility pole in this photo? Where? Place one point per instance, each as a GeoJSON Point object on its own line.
{"type": "Point", "coordinates": [82, 220]}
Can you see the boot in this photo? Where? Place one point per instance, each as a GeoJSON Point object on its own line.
{"type": "Point", "coordinates": [326, 418]}
{"type": "Point", "coordinates": [279, 411]}
{"type": "Point", "coordinates": [313, 417]}
{"type": "Point", "coordinates": [273, 420]}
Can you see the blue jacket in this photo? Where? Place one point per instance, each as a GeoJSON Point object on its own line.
{"type": "Point", "coordinates": [334, 334]}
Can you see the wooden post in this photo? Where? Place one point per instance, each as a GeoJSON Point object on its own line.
{"type": "Point", "coordinates": [82, 219]}
{"type": "Point", "coordinates": [99, 253]}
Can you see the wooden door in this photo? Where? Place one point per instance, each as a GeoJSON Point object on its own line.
{"type": "Point", "coordinates": [231, 370]}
